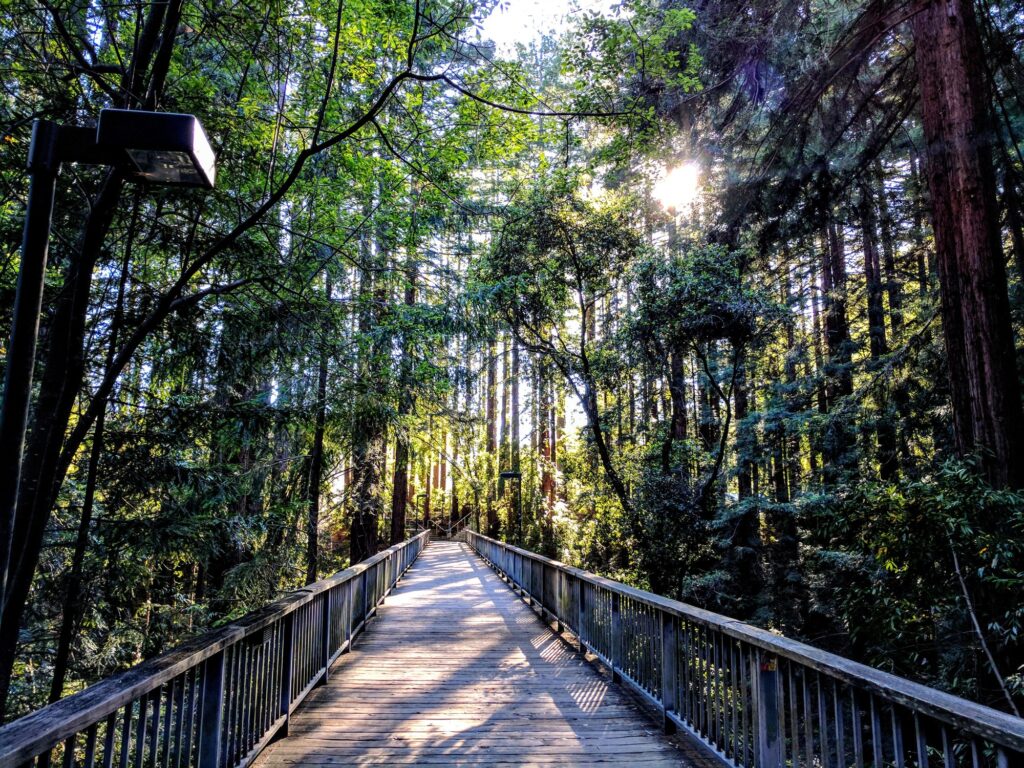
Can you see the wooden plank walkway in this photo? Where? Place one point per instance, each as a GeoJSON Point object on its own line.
{"type": "Point", "coordinates": [456, 670]}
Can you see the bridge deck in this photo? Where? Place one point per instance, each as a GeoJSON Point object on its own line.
{"type": "Point", "coordinates": [457, 670]}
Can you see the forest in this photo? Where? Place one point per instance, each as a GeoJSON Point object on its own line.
{"type": "Point", "coordinates": [722, 299]}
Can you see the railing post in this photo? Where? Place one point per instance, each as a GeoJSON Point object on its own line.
{"type": "Point", "coordinates": [287, 670]}
{"type": "Point", "coordinates": [347, 611]}
{"type": "Point", "coordinates": [616, 639]}
{"type": "Point", "coordinates": [669, 694]}
{"type": "Point", "coordinates": [558, 601]}
{"type": "Point", "coordinates": [765, 675]}
{"type": "Point", "coordinates": [213, 711]}
{"type": "Point", "coordinates": [542, 588]}
{"type": "Point", "coordinates": [581, 621]}
{"type": "Point", "coordinates": [325, 634]}
{"type": "Point", "coordinates": [363, 616]}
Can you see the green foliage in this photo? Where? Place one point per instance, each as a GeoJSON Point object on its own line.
{"type": "Point", "coordinates": [895, 550]}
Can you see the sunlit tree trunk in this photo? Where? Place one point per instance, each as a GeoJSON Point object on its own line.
{"type": "Point", "coordinates": [987, 415]}
{"type": "Point", "coordinates": [316, 455]}
{"type": "Point", "coordinates": [885, 430]}
{"type": "Point", "coordinates": [492, 438]}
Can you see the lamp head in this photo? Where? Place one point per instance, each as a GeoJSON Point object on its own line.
{"type": "Point", "coordinates": [160, 147]}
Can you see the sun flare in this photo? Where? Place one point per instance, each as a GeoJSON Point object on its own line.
{"type": "Point", "coordinates": [679, 187]}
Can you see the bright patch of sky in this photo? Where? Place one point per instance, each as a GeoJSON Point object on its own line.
{"type": "Point", "coordinates": [522, 21]}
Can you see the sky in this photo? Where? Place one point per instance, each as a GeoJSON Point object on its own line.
{"type": "Point", "coordinates": [515, 21]}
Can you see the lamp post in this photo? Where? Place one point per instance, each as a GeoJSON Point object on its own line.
{"type": "Point", "coordinates": [155, 147]}
{"type": "Point", "coordinates": [518, 477]}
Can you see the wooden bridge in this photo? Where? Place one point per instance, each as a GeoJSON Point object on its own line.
{"type": "Point", "coordinates": [455, 668]}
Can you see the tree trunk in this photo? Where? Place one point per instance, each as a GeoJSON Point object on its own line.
{"type": "Point", "coordinates": [987, 414]}
{"type": "Point", "coordinates": [316, 457]}
{"type": "Point", "coordinates": [517, 500]}
{"type": "Point", "coordinates": [492, 417]}
{"type": "Point", "coordinates": [885, 430]}
{"type": "Point", "coordinates": [837, 443]}
{"type": "Point", "coordinates": [400, 475]}
{"type": "Point", "coordinates": [64, 368]}
{"type": "Point", "coordinates": [368, 446]}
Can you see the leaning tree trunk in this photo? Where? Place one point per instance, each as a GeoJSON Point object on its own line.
{"type": "Point", "coordinates": [987, 415]}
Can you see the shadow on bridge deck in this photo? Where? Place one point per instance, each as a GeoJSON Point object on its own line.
{"type": "Point", "coordinates": [457, 670]}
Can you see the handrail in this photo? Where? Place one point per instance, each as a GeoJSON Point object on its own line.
{"type": "Point", "coordinates": [756, 698]}
{"type": "Point", "coordinates": [218, 699]}
{"type": "Point", "coordinates": [447, 530]}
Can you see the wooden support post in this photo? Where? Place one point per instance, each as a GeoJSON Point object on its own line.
{"type": "Point", "coordinates": [543, 591]}
{"type": "Point", "coordinates": [669, 694]}
{"type": "Point", "coordinates": [287, 670]}
{"type": "Point", "coordinates": [581, 621]}
{"type": "Point", "coordinates": [363, 613]}
{"type": "Point", "coordinates": [616, 639]}
{"type": "Point", "coordinates": [558, 601]}
{"type": "Point", "coordinates": [213, 711]}
{"type": "Point", "coordinates": [765, 675]}
{"type": "Point", "coordinates": [325, 634]}
{"type": "Point", "coordinates": [347, 609]}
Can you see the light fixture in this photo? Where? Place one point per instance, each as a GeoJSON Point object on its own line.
{"type": "Point", "coordinates": [158, 147]}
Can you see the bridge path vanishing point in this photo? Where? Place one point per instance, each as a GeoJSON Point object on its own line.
{"type": "Point", "coordinates": [456, 669]}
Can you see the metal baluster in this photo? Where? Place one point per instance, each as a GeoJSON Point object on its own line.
{"type": "Point", "coordinates": [876, 733]}
{"type": "Point", "coordinates": [794, 718]}
{"type": "Point", "coordinates": [897, 737]}
{"type": "Point", "coordinates": [249, 697]}
{"type": "Point", "coordinates": [90, 746]}
{"type": "Point", "coordinates": [230, 701]}
{"type": "Point", "coordinates": [179, 718]}
{"type": "Point", "coordinates": [108, 740]}
{"type": "Point", "coordinates": [734, 697]}
{"type": "Point", "coordinates": [823, 728]}
{"type": "Point", "coordinates": [840, 716]}
{"type": "Point", "coordinates": [748, 706]}
{"type": "Point", "coordinates": [714, 731]}
{"type": "Point", "coordinates": [140, 733]}
{"type": "Point", "coordinates": [707, 714]}
{"type": "Point", "coordinates": [69, 752]}
{"type": "Point", "coordinates": [922, 742]}
{"type": "Point", "coordinates": [168, 734]}
{"type": "Point", "coordinates": [808, 719]}
{"type": "Point", "coordinates": [857, 728]}
{"type": "Point", "coordinates": [949, 758]}
{"type": "Point", "coordinates": [190, 718]}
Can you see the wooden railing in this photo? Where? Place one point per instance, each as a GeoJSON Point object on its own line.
{"type": "Point", "coordinates": [440, 528]}
{"type": "Point", "coordinates": [755, 698]}
{"type": "Point", "coordinates": [217, 700]}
